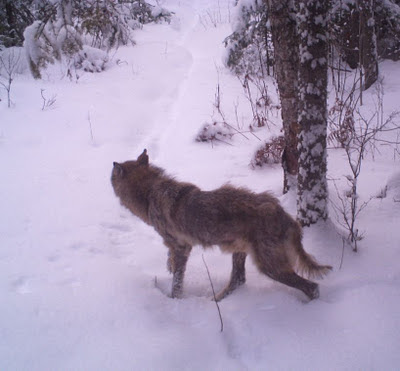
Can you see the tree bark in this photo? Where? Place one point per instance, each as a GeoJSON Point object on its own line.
{"type": "Point", "coordinates": [313, 56]}
{"type": "Point", "coordinates": [285, 41]}
{"type": "Point", "coordinates": [358, 39]}
{"type": "Point", "coordinates": [368, 48]}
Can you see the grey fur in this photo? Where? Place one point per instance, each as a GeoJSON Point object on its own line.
{"type": "Point", "coordinates": [235, 219]}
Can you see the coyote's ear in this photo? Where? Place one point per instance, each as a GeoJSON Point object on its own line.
{"type": "Point", "coordinates": [118, 169]}
{"type": "Point", "coordinates": [143, 159]}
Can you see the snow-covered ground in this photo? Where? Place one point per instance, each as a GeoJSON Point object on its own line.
{"type": "Point", "coordinates": [77, 271]}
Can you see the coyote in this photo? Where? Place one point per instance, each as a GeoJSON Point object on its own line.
{"type": "Point", "coordinates": [235, 219]}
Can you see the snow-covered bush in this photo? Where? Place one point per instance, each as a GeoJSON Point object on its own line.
{"type": "Point", "coordinates": [72, 29]}
{"type": "Point", "coordinates": [38, 47]}
{"type": "Point", "coordinates": [91, 59]}
{"type": "Point", "coordinates": [269, 153]}
{"type": "Point", "coordinates": [143, 13]}
{"type": "Point", "coordinates": [216, 131]}
{"type": "Point", "coordinates": [388, 29]}
{"type": "Point", "coordinates": [106, 23]}
{"type": "Point", "coordinates": [248, 48]}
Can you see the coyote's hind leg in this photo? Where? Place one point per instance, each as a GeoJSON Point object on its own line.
{"type": "Point", "coordinates": [238, 275]}
{"type": "Point", "coordinates": [294, 280]}
{"type": "Point", "coordinates": [274, 263]}
{"type": "Point", "coordinates": [177, 259]}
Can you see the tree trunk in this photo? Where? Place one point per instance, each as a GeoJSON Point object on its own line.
{"type": "Point", "coordinates": [358, 39]}
{"type": "Point", "coordinates": [285, 41]}
{"type": "Point", "coordinates": [368, 48]}
{"type": "Point", "coordinates": [313, 56]}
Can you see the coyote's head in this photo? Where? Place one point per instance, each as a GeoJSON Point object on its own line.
{"type": "Point", "coordinates": [132, 181]}
{"type": "Point", "coordinates": [121, 171]}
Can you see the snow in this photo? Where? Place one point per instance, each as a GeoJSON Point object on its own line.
{"type": "Point", "coordinates": [92, 59]}
{"type": "Point", "coordinates": [77, 271]}
{"type": "Point", "coordinates": [33, 47]}
{"type": "Point", "coordinates": [239, 13]}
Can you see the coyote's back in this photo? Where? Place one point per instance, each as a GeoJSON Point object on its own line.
{"type": "Point", "coordinates": [237, 220]}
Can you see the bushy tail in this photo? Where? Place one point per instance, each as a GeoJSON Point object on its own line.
{"type": "Point", "coordinates": [305, 264]}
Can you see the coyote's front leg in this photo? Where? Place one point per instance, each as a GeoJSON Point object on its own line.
{"type": "Point", "coordinates": [177, 259]}
{"type": "Point", "coordinates": [238, 275]}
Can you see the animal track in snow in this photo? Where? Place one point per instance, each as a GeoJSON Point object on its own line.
{"type": "Point", "coordinates": [22, 285]}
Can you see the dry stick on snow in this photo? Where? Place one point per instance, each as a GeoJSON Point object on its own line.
{"type": "Point", "coordinates": [47, 103]}
{"type": "Point", "coordinates": [90, 127]}
{"type": "Point", "coordinates": [215, 298]}
{"type": "Point", "coordinates": [341, 258]}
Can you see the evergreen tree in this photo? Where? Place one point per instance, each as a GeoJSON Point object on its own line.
{"type": "Point", "coordinates": [15, 16]}
{"type": "Point", "coordinates": [248, 47]}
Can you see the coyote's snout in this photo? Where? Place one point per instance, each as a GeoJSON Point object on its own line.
{"type": "Point", "coordinates": [235, 219]}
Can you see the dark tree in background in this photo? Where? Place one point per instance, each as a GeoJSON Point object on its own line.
{"type": "Point", "coordinates": [367, 42]}
{"type": "Point", "coordinates": [356, 26]}
{"type": "Point", "coordinates": [15, 16]}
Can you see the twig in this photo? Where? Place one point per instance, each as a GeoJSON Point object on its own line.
{"type": "Point", "coordinates": [223, 141]}
{"type": "Point", "coordinates": [341, 258]}
{"type": "Point", "coordinates": [90, 127]}
{"type": "Point", "coordinates": [217, 105]}
{"type": "Point", "coordinates": [9, 64]}
{"type": "Point", "coordinates": [47, 103]}
{"type": "Point", "coordinates": [215, 298]}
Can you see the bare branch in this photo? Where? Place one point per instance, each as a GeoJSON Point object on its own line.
{"type": "Point", "coordinates": [213, 291]}
{"type": "Point", "coordinates": [358, 134]}
{"type": "Point", "coordinates": [8, 68]}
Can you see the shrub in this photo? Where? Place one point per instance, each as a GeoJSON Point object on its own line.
{"type": "Point", "coordinates": [269, 153]}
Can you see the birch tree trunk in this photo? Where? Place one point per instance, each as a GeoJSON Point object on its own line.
{"type": "Point", "coordinates": [284, 38]}
{"type": "Point", "coordinates": [313, 56]}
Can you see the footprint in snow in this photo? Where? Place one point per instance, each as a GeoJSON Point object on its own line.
{"type": "Point", "coordinates": [22, 285]}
